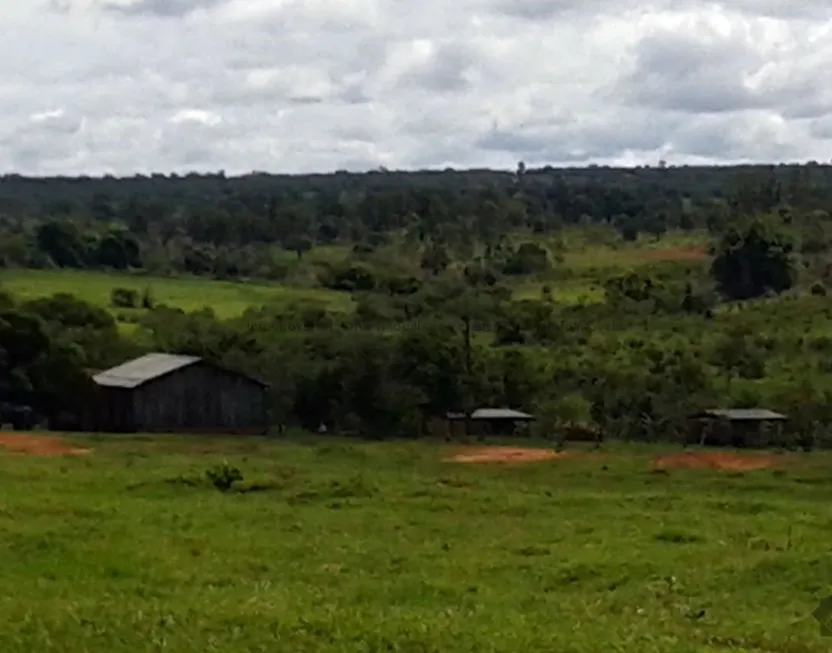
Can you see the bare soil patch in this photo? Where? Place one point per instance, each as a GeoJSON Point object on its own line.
{"type": "Point", "coordinates": [715, 460]}
{"type": "Point", "coordinates": [504, 455]}
{"type": "Point", "coordinates": [688, 253]}
{"type": "Point", "coordinates": [38, 445]}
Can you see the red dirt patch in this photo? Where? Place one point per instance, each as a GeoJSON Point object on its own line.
{"type": "Point", "coordinates": [714, 460]}
{"type": "Point", "coordinates": [38, 445]}
{"type": "Point", "coordinates": [688, 253]}
{"type": "Point", "coordinates": [504, 455]}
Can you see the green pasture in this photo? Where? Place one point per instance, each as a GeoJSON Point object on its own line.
{"type": "Point", "coordinates": [583, 259]}
{"type": "Point", "coordinates": [580, 252]}
{"type": "Point", "coordinates": [579, 291]}
{"type": "Point", "coordinates": [327, 546]}
{"type": "Point", "coordinates": [228, 299]}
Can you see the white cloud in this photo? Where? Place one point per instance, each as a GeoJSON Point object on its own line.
{"type": "Point", "coordinates": [126, 86]}
{"type": "Point", "coordinates": [197, 116]}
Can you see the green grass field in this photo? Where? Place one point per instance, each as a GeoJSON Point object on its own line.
{"type": "Point", "coordinates": [228, 299]}
{"type": "Point", "coordinates": [383, 547]}
{"type": "Point", "coordinates": [586, 255]}
{"type": "Point", "coordinates": [565, 292]}
{"type": "Point", "coordinates": [589, 257]}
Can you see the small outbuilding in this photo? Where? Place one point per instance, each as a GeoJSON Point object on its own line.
{"type": "Point", "coordinates": [737, 427]}
{"type": "Point", "coordinates": [168, 393]}
{"type": "Point", "coordinates": [489, 421]}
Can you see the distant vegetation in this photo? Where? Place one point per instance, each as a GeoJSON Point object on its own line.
{"type": "Point", "coordinates": [119, 291]}
{"type": "Point", "coordinates": [612, 300]}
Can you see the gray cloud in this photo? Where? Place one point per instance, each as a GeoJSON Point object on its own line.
{"type": "Point", "coordinates": [821, 128]}
{"type": "Point", "coordinates": [160, 8]}
{"type": "Point", "coordinates": [446, 69]}
{"type": "Point", "coordinates": [536, 10]}
{"type": "Point", "coordinates": [302, 85]}
{"type": "Point", "coordinates": [702, 71]}
{"type": "Point", "coordinates": [782, 9]}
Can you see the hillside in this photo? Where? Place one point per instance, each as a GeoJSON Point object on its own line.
{"type": "Point", "coordinates": [616, 301]}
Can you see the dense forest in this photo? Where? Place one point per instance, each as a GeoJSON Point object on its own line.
{"type": "Point", "coordinates": [213, 225]}
{"type": "Point", "coordinates": [459, 290]}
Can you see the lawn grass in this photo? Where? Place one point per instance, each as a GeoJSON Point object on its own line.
{"type": "Point", "coordinates": [382, 547]}
{"type": "Point", "coordinates": [228, 299]}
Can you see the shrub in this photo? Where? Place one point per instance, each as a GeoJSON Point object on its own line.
{"type": "Point", "coordinates": [124, 298]}
{"type": "Point", "coordinates": [529, 258]}
{"type": "Point", "coordinates": [147, 299]}
{"type": "Point", "coordinates": [223, 476]}
{"type": "Point", "coordinates": [818, 289]}
{"type": "Point", "coordinates": [349, 277]}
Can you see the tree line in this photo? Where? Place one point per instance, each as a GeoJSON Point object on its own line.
{"type": "Point", "coordinates": [634, 372]}
{"type": "Point", "coordinates": [232, 227]}
{"type": "Point", "coordinates": [431, 266]}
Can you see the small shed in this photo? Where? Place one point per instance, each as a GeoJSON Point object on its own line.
{"type": "Point", "coordinates": [489, 421]}
{"type": "Point", "coordinates": [737, 427]}
{"type": "Point", "coordinates": [167, 393]}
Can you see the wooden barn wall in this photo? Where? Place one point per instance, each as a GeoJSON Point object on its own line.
{"type": "Point", "coordinates": [116, 413]}
{"type": "Point", "coordinates": [106, 410]}
{"type": "Point", "coordinates": [200, 398]}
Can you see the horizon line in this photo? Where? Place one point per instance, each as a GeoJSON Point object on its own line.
{"type": "Point", "coordinates": [382, 170]}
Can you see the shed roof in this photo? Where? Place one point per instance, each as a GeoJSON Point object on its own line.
{"type": "Point", "coordinates": [742, 414]}
{"type": "Point", "coordinates": [499, 413]}
{"type": "Point", "coordinates": [134, 373]}
{"type": "Point", "coordinates": [493, 413]}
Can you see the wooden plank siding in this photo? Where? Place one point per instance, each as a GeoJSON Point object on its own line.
{"type": "Point", "coordinates": [199, 398]}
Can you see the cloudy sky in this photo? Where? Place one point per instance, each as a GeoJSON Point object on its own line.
{"type": "Point", "coordinates": [124, 86]}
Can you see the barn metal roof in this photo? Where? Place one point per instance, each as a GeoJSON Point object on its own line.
{"type": "Point", "coordinates": [492, 413]}
{"type": "Point", "coordinates": [740, 414]}
{"type": "Point", "coordinates": [141, 370]}
{"type": "Point", "coordinates": [499, 413]}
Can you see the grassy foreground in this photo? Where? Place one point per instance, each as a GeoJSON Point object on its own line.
{"type": "Point", "coordinates": [383, 547]}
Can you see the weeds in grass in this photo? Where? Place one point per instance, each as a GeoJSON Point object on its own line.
{"type": "Point", "coordinates": [223, 476]}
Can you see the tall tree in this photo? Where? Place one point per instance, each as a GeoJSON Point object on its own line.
{"type": "Point", "coordinates": [755, 258]}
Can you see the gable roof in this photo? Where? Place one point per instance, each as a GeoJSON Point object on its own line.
{"type": "Point", "coordinates": [742, 414]}
{"type": "Point", "coordinates": [493, 413]}
{"type": "Point", "coordinates": [499, 413]}
{"type": "Point", "coordinates": [134, 373]}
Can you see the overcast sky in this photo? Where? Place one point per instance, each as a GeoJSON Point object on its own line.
{"type": "Point", "coordinates": [124, 86]}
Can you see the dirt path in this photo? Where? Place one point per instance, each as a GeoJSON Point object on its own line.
{"type": "Point", "coordinates": [715, 460]}
{"type": "Point", "coordinates": [38, 445]}
{"type": "Point", "coordinates": [503, 455]}
{"type": "Point", "coordinates": [684, 253]}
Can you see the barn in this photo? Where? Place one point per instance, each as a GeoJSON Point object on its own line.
{"type": "Point", "coordinates": [167, 393]}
